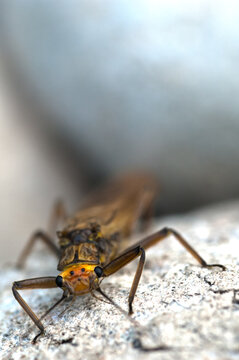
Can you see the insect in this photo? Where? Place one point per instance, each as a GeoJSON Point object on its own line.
{"type": "Point", "coordinates": [91, 242]}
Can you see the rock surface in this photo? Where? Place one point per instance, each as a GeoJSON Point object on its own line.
{"type": "Point", "coordinates": [191, 310]}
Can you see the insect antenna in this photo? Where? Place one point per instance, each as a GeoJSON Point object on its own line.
{"type": "Point", "coordinates": [98, 298]}
{"type": "Point", "coordinates": [137, 343]}
{"type": "Point", "coordinates": [53, 306]}
{"type": "Point", "coordinates": [72, 301]}
{"type": "Point", "coordinates": [133, 321]}
{"type": "Point", "coordinates": [46, 313]}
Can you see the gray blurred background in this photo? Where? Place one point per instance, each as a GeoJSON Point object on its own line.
{"type": "Point", "coordinates": [92, 88]}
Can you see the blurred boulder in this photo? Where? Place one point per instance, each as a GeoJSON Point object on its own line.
{"type": "Point", "coordinates": [144, 84]}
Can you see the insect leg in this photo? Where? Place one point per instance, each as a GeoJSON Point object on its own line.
{"type": "Point", "coordinates": [148, 202]}
{"type": "Point", "coordinates": [36, 283]}
{"type": "Point", "coordinates": [164, 233]}
{"type": "Point", "coordinates": [38, 235]}
{"type": "Point", "coordinates": [147, 215]}
{"type": "Point", "coordinates": [121, 261]}
{"type": "Point", "coordinates": [58, 214]}
{"type": "Point", "coordinates": [138, 250]}
{"type": "Point", "coordinates": [135, 282]}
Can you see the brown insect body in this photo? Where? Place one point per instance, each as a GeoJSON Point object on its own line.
{"type": "Point", "coordinates": [92, 240]}
{"type": "Point", "coordinates": [94, 235]}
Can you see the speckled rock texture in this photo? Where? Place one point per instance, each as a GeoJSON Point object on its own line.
{"type": "Point", "coordinates": [192, 311]}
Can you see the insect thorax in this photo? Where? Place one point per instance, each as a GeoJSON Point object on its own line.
{"type": "Point", "coordinates": [84, 245]}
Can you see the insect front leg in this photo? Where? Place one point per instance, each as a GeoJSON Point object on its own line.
{"type": "Point", "coordinates": [138, 250]}
{"type": "Point", "coordinates": [122, 260]}
{"type": "Point", "coordinates": [35, 283]}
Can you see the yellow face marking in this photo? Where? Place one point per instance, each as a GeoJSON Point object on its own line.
{"type": "Point", "coordinates": [79, 278]}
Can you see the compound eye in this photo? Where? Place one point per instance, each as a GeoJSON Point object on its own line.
{"type": "Point", "coordinates": [99, 271]}
{"type": "Point", "coordinates": [59, 281]}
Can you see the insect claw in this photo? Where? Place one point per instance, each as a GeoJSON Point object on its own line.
{"type": "Point", "coordinates": [130, 309]}
{"type": "Point", "coordinates": [34, 340]}
{"type": "Point", "coordinates": [216, 265]}
{"type": "Point", "coordinates": [137, 344]}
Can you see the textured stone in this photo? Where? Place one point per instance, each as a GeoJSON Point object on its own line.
{"type": "Point", "coordinates": [193, 311]}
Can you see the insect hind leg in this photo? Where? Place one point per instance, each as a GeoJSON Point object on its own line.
{"type": "Point", "coordinates": [58, 213]}
{"type": "Point", "coordinates": [146, 216]}
{"type": "Point", "coordinates": [38, 235]}
{"type": "Point", "coordinates": [147, 210]}
{"type": "Point", "coordinates": [139, 250]}
{"type": "Point", "coordinates": [165, 233]}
